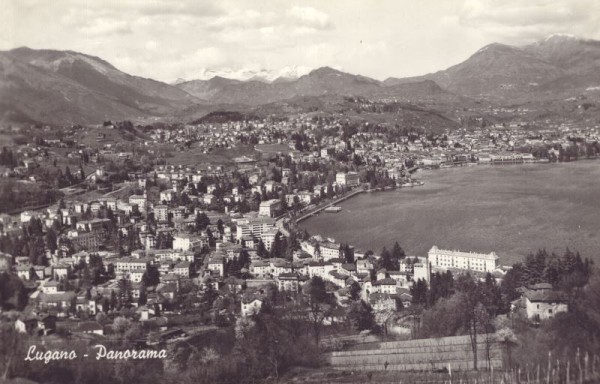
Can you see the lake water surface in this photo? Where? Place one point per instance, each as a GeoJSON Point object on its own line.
{"type": "Point", "coordinates": [509, 209]}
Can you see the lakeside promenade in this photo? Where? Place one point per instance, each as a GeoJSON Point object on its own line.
{"type": "Point", "coordinates": [329, 204]}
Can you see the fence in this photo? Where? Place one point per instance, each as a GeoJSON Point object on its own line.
{"type": "Point", "coordinates": [582, 368]}
{"type": "Point", "coordinates": [451, 353]}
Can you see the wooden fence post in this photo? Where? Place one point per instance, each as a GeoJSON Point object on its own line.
{"type": "Point", "coordinates": [579, 367]}
{"type": "Point", "coordinates": [586, 362]}
{"type": "Point", "coordinates": [549, 367]}
{"type": "Point", "coordinates": [568, 372]}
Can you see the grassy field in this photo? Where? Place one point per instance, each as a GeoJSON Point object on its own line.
{"type": "Point", "coordinates": [221, 156]}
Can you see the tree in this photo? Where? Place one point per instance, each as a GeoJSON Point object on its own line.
{"type": "Point", "coordinates": [384, 310]}
{"type": "Point", "coordinates": [355, 290]}
{"type": "Point", "coordinates": [12, 348]}
{"type": "Point", "coordinates": [473, 312]}
{"type": "Point", "coordinates": [51, 240]}
{"type": "Point", "coordinates": [397, 252]}
{"type": "Point", "coordinates": [13, 294]}
{"type": "Point", "coordinates": [348, 253]}
{"type": "Point", "coordinates": [261, 250]}
{"type": "Point", "coordinates": [319, 305]}
{"type": "Point", "coordinates": [419, 292]}
{"type": "Point", "coordinates": [32, 275]}
{"type": "Point", "coordinates": [125, 292]}
{"type": "Point", "coordinates": [202, 221]}
{"type": "Point", "coordinates": [121, 325]}
{"type": "Point", "coordinates": [443, 319]}
{"type": "Point", "coordinates": [86, 278]}
{"type": "Point", "coordinates": [361, 316]}
{"type": "Point", "coordinates": [151, 277]}
{"type": "Point", "coordinates": [278, 247]}
{"type": "Point", "coordinates": [113, 300]}
{"type": "Point", "coordinates": [387, 262]}
{"type": "Point", "coordinates": [143, 299]}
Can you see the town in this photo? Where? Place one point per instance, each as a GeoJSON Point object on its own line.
{"type": "Point", "coordinates": [140, 233]}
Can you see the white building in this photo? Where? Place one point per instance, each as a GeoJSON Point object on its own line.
{"type": "Point", "coordinates": [349, 179]}
{"type": "Point", "coordinates": [136, 275]}
{"type": "Point", "coordinates": [330, 251]}
{"type": "Point", "coordinates": [217, 265]}
{"type": "Point", "coordinates": [270, 208]}
{"type": "Point", "coordinates": [268, 238]}
{"type": "Point", "coordinates": [251, 306]}
{"type": "Point", "coordinates": [544, 304]}
{"type": "Point", "coordinates": [127, 264]}
{"type": "Point", "coordinates": [140, 200]}
{"type": "Point", "coordinates": [187, 242]}
{"type": "Point", "coordinates": [161, 213]}
{"type": "Point", "coordinates": [167, 195]}
{"type": "Point", "coordinates": [254, 227]}
{"type": "Point", "coordinates": [446, 259]}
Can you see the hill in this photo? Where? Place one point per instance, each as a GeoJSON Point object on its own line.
{"type": "Point", "coordinates": [65, 87]}
{"type": "Point", "coordinates": [556, 67]}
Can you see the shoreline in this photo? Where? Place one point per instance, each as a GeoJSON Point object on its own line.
{"type": "Point", "coordinates": [429, 173]}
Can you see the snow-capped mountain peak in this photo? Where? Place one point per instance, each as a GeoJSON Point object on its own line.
{"type": "Point", "coordinates": [245, 74]}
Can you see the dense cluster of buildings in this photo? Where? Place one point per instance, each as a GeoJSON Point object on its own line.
{"type": "Point", "coordinates": [226, 227]}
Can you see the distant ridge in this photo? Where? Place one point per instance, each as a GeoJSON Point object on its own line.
{"type": "Point", "coordinates": [66, 87]}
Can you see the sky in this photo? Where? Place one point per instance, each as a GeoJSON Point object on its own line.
{"type": "Point", "coordinates": [170, 39]}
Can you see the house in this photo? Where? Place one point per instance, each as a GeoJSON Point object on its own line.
{"type": "Point", "coordinates": [183, 269]}
{"type": "Point", "coordinates": [251, 304]}
{"type": "Point", "coordinates": [349, 179]}
{"type": "Point", "coordinates": [23, 271]}
{"type": "Point", "coordinates": [61, 271]}
{"type": "Point", "coordinates": [387, 285]}
{"type": "Point", "coordinates": [63, 302]}
{"type": "Point", "coordinates": [335, 316]}
{"type": "Point", "coordinates": [364, 266]}
{"type": "Point", "coordinates": [92, 327]}
{"type": "Point", "coordinates": [254, 226]}
{"type": "Point", "coordinates": [330, 250]}
{"type": "Point", "coordinates": [405, 297]}
{"type": "Point", "coordinates": [542, 304]}
{"type": "Point", "coordinates": [235, 285]}
{"type": "Point", "coordinates": [270, 208]}
{"type": "Point", "coordinates": [26, 324]}
{"type": "Point", "coordinates": [320, 269]}
{"type": "Point", "coordinates": [126, 264]}
{"type": "Point", "coordinates": [287, 282]}
{"type": "Point", "coordinates": [260, 269]}
{"type": "Point", "coordinates": [51, 287]}
{"type": "Point", "coordinates": [36, 325]}
{"type": "Point", "coordinates": [161, 213]}
{"type": "Point", "coordinates": [336, 278]}
{"type": "Point", "coordinates": [187, 242]}
{"type": "Point", "coordinates": [140, 200]}
{"type": "Point", "coordinates": [216, 264]}
{"type": "Point", "coordinates": [136, 275]}
{"type": "Point", "coordinates": [167, 195]}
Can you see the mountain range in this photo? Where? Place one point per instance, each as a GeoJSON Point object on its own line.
{"type": "Point", "coordinates": [65, 87]}
{"type": "Point", "coordinates": [549, 67]}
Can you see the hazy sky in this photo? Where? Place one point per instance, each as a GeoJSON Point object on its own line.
{"type": "Point", "coordinates": [170, 39]}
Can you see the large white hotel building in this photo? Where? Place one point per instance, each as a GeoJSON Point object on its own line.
{"type": "Point", "coordinates": [445, 259]}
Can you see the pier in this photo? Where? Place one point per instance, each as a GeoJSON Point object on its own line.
{"type": "Point", "coordinates": [329, 204]}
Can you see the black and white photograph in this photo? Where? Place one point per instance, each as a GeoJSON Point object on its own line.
{"type": "Point", "coordinates": [299, 191]}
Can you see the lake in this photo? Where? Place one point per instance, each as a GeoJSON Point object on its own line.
{"type": "Point", "coordinates": [509, 209]}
